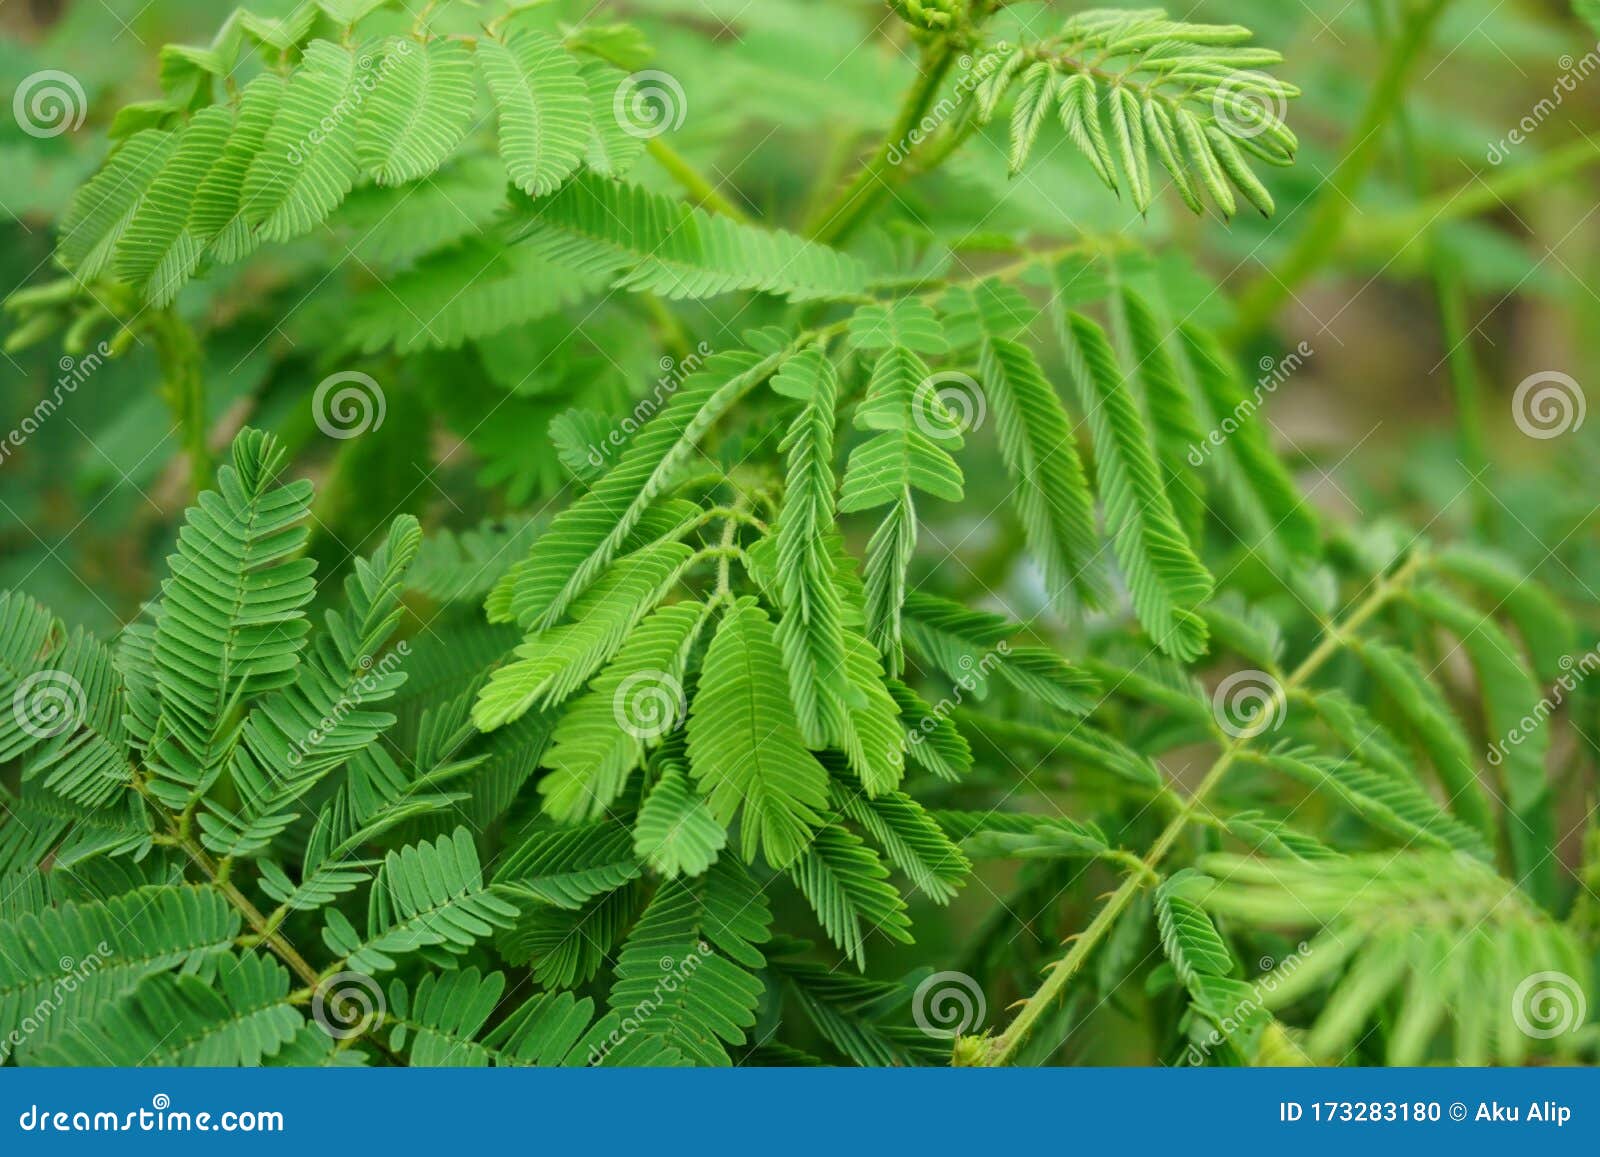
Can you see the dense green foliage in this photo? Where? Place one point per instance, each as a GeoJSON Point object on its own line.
{"type": "Point", "coordinates": [837, 593]}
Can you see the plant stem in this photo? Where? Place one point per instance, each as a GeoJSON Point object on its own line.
{"type": "Point", "coordinates": [1388, 233]}
{"type": "Point", "coordinates": [881, 173]}
{"type": "Point", "coordinates": [263, 927]}
{"type": "Point", "coordinates": [1005, 1046]}
{"type": "Point", "coordinates": [1450, 293]}
{"type": "Point", "coordinates": [183, 384]}
{"type": "Point", "coordinates": [1320, 237]}
{"type": "Point", "coordinates": [701, 190]}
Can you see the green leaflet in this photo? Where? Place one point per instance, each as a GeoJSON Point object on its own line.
{"type": "Point", "coordinates": [848, 888]}
{"type": "Point", "coordinates": [1516, 715]}
{"type": "Point", "coordinates": [101, 210]}
{"type": "Point", "coordinates": [631, 705]}
{"type": "Point", "coordinates": [239, 1016]}
{"type": "Point", "coordinates": [675, 832]}
{"type": "Point", "coordinates": [554, 663]}
{"type": "Point", "coordinates": [542, 104]}
{"type": "Point", "coordinates": [307, 162]}
{"type": "Point", "coordinates": [685, 973]}
{"type": "Point", "coordinates": [170, 229]}
{"type": "Point", "coordinates": [421, 105]}
{"type": "Point", "coordinates": [127, 938]}
{"type": "Point", "coordinates": [297, 735]}
{"type": "Point", "coordinates": [745, 749]}
{"type": "Point", "coordinates": [649, 243]}
{"type": "Point", "coordinates": [810, 631]}
{"type": "Point", "coordinates": [230, 622]}
{"type": "Point", "coordinates": [1051, 495]}
{"type": "Point", "coordinates": [584, 538]}
{"type": "Point", "coordinates": [911, 453]}
{"type": "Point", "coordinates": [426, 896]}
{"type": "Point", "coordinates": [1165, 579]}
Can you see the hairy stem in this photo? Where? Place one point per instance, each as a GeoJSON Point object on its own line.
{"type": "Point", "coordinates": [1002, 1049]}
{"type": "Point", "coordinates": [880, 174]}
{"type": "Point", "coordinates": [183, 385]}
{"type": "Point", "coordinates": [695, 183]}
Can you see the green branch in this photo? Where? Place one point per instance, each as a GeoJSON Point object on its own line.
{"type": "Point", "coordinates": [1004, 1047]}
